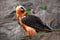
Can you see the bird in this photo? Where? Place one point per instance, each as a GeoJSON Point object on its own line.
{"type": "Point", "coordinates": [31, 24]}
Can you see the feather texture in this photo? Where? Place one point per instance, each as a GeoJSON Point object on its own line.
{"type": "Point", "coordinates": [34, 22]}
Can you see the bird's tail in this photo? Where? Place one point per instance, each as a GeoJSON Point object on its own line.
{"type": "Point", "coordinates": [48, 28]}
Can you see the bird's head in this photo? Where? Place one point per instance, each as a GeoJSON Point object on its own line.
{"type": "Point", "coordinates": [20, 11]}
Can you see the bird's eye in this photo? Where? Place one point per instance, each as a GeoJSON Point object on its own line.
{"type": "Point", "coordinates": [22, 8]}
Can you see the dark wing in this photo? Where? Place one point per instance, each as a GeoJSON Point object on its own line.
{"type": "Point", "coordinates": [34, 22]}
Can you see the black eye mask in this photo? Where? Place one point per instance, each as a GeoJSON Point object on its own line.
{"type": "Point", "coordinates": [22, 9]}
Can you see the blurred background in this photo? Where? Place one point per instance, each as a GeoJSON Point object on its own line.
{"type": "Point", "coordinates": [47, 10]}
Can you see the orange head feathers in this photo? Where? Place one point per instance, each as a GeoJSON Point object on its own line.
{"type": "Point", "coordinates": [20, 11]}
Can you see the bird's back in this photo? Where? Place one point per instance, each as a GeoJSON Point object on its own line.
{"type": "Point", "coordinates": [34, 22]}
